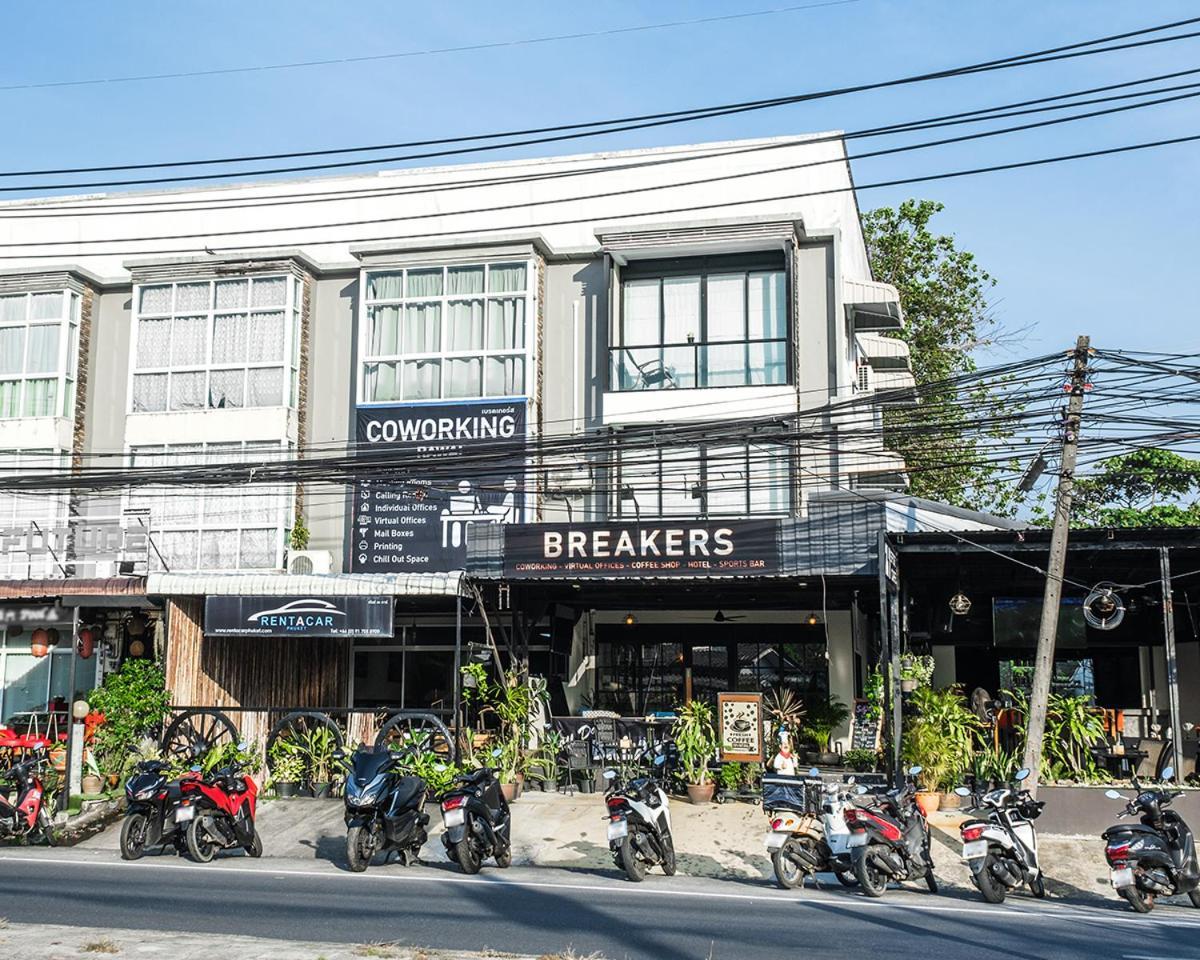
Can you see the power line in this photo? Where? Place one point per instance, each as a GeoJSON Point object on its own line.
{"type": "Point", "coordinates": [948, 175]}
{"type": "Point", "coordinates": [436, 51]}
{"type": "Point", "coordinates": [679, 184]}
{"type": "Point", "coordinates": [590, 128]}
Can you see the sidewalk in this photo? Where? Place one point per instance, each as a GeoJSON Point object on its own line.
{"type": "Point", "coordinates": [56, 942]}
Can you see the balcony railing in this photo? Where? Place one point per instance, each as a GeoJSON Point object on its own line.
{"type": "Point", "coordinates": [699, 364]}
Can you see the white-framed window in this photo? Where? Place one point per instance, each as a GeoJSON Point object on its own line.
{"type": "Point", "coordinates": [445, 332]}
{"type": "Point", "coordinates": [215, 344]}
{"type": "Point", "coordinates": [32, 683]}
{"type": "Point", "coordinates": [212, 528]}
{"type": "Point", "coordinates": [39, 354]}
{"type": "Point", "coordinates": [19, 510]}
{"type": "Point", "coordinates": [705, 480]}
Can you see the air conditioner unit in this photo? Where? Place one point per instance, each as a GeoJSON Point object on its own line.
{"type": "Point", "coordinates": [863, 382]}
{"type": "Point", "coordinates": [310, 561]}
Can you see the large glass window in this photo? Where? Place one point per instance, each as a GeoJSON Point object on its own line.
{"type": "Point", "coordinates": [434, 333]}
{"type": "Point", "coordinates": [216, 344]}
{"type": "Point", "coordinates": [39, 344]}
{"type": "Point", "coordinates": [32, 685]}
{"type": "Point", "coordinates": [19, 510]}
{"type": "Point", "coordinates": [702, 322]}
{"type": "Point", "coordinates": [212, 528]}
{"type": "Point", "coordinates": [704, 480]}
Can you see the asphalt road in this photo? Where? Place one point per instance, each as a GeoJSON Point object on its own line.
{"type": "Point", "coordinates": [537, 910]}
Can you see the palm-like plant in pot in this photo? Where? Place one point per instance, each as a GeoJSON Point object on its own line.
{"type": "Point", "coordinates": [695, 742]}
{"type": "Point", "coordinates": [940, 738]}
{"type": "Point", "coordinates": [822, 719]}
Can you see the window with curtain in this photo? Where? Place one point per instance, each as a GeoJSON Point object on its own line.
{"type": "Point", "coordinates": [701, 322]}
{"type": "Point", "coordinates": [217, 344]}
{"type": "Point", "coordinates": [19, 510]}
{"type": "Point", "coordinates": [452, 332]}
{"type": "Point", "coordinates": [744, 479]}
{"type": "Point", "coordinates": [39, 338]}
{"type": "Point", "coordinates": [212, 528]}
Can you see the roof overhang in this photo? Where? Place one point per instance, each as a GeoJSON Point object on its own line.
{"type": "Point", "coordinates": [307, 585]}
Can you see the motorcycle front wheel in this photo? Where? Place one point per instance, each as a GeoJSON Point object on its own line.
{"type": "Point", "coordinates": [133, 836]}
{"type": "Point", "coordinates": [872, 880]}
{"type": "Point", "coordinates": [1194, 896]}
{"type": "Point", "coordinates": [47, 832]}
{"type": "Point", "coordinates": [992, 890]}
{"type": "Point", "coordinates": [200, 847]}
{"type": "Point", "coordinates": [255, 848]}
{"type": "Point", "coordinates": [1141, 901]}
{"type": "Point", "coordinates": [360, 848]}
{"type": "Point", "coordinates": [787, 872]}
{"type": "Point", "coordinates": [1037, 886]}
{"type": "Point", "coordinates": [468, 858]}
{"type": "Point", "coordinates": [635, 870]}
{"type": "Point", "coordinates": [668, 863]}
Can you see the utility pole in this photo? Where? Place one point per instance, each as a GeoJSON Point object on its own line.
{"type": "Point", "coordinates": [1043, 670]}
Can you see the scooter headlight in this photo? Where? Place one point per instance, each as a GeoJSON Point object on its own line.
{"type": "Point", "coordinates": [147, 794]}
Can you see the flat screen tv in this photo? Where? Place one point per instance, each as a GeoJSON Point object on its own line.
{"type": "Point", "coordinates": [1015, 623]}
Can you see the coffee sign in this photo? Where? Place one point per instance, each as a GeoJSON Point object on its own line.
{"type": "Point", "coordinates": [654, 548]}
{"type": "Point", "coordinates": [740, 722]}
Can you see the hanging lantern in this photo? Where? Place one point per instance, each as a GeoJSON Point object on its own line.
{"type": "Point", "coordinates": [39, 642]}
{"type": "Point", "coordinates": [1103, 608]}
{"type": "Point", "coordinates": [136, 648]}
{"type": "Point", "coordinates": [53, 636]}
{"type": "Point", "coordinates": [136, 625]}
{"type": "Point", "coordinates": [80, 709]}
{"type": "Point", "coordinates": [960, 604]}
{"type": "Point", "coordinates": [85, 643]}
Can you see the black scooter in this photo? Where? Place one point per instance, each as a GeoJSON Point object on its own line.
{"type": "Point", "coordinates": [1156, 857]}
{"type": "Point", "coordinates": [385, 810]}
{"type": "Point", "coordinates": [477, 820]}
{"type": "Point", "coordinates": [889, 840]}
{"type": "Point", "coordinates": [150, 802]}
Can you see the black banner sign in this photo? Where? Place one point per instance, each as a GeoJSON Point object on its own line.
{"type": "Point", "coordinates": [652, 548]}
{"type": "Point", "coordinates": [298, 617]}
{"type": "Point", "coordinates": [424, 524]}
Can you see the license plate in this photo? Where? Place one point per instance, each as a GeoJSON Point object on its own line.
{"type": "Point", "coordinates": [857, 840]}
{"type": "Point", "coordinates": [617, 830]}
{"type": "Point", "coordinates": [184, 814]}
{"type": "Point", "coordinates": [975, 849]}
{"type": "Point", "coordinates": [454, 818]}
{"type": "Point", "coordinates": [1122, 878]}
{"type": "Point", "coordinates": [776, 839]}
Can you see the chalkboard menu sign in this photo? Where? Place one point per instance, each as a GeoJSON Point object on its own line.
{"type": "Point", "coordinates": [865, 729]}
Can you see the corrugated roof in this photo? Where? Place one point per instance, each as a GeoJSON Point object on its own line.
{"type": "Point", "coordinates": [107, 587]}
{"type": "Point", "coordinates": [306, 585]}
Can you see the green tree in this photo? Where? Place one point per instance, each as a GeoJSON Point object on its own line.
{"type": "Point", "coordinates": [947, 317]}
{"type": "Point", "coordinates": [1146, 488]}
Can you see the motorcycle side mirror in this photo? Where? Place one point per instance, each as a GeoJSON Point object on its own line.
{"type": "Point", "coordinates": [339, 755]}
{"type": "Point", "coordinates": [814, 772]}
{"type": "Point", "coordinates": [610, 774]}
{"type": "Point", "coordinates": [962, 791]}
{"type": "Point", "coordinates": [1113, 795]}
{"type": "Point", "coordinates": [1022, 774]}
{"type": "Point", "coordinates": [915, 769]}
{"type": "Point", "coordinates": [860, 790]}
{"type": "Point", "coordinates": [1168, 773]}
{"type": "Point", "coordinates": [660, 760]}
{"type": "Point", "coordinates": [852, 780]}
{"type": "Point", "coordinates": [243, 746]}
{"type": "Point", "coordinates": [195, 768]}
{"type": "Point", "coordinates": [496, 752]}
{"type": "Point", "coordinates": [1189, 727]}
{"type": "Point", "coordinates": [439, 767]}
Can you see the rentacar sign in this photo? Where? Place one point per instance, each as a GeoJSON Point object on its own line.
{"type": "Point", "coordinates": [298, 617]}
{"type": "Point", "coordinates": [695, 548]}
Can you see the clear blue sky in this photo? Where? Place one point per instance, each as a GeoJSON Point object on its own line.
{"type": "Point", "coordinates": [1106, 246]}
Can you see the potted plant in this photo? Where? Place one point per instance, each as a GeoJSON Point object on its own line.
{"type": "Point", "coordinates": [545, 766]}
{"type": "Point", "coordinates": [915, 672]}
{"type": "Point", "coordinates": [861, 760]}
{"type": "Point", "coordinates": [319, 747]}
{"type": "Point", "coordinates": [93, 782]}
{"type": "Point", "coordinates": [508, 763]}
{"type": "Point", "coordinates": [287, 767]}
{"type": "Point", "coordinates": [939, 738]}
{"type": "Point", "coordinates": [822, 719]}
{"type": "Point", "coordinates": [696, 742]}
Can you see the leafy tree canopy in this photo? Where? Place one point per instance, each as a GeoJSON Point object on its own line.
{"type": "Point", "coordinates": [1146, 488]}
{"type": "Point", "coordinates": [944, 297]}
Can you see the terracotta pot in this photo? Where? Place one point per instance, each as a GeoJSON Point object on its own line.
{"type": "Point", "coordinates": [928, 802]}
{"type": "Point", "coordinates": [700, 793]}
{"type": "Point", "coordinates": [510, 791]}
{"type": "Point", "coordinates": [907, 686]}
{"type": "Point", "coordinates": [113, 779]}
{"type": "Point", "coordinates": [91, 784]}
{"type": "Point", "coordinates": [950, 801]}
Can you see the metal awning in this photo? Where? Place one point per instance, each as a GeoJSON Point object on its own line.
{"type": "Point", "coordinates": [306, 585]}
{"type": "Point", "coordinates": [884, 353]}
{"type": "Point", "coordinates": [70, 587]}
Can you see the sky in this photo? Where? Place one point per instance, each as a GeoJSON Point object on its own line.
{"type": "Point", "coordinates": [1094, 246]}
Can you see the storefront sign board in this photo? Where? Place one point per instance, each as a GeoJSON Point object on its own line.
{"type": "Point", "coordinates": [298, 616]}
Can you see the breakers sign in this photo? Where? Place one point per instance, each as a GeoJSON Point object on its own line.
{"type": "Point", "coordinates": [655, 548]}
{"type": "Point", "coordinates": [291, 617]}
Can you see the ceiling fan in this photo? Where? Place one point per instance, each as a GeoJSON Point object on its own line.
{"type": "Point", "coordinates": [720, 617]}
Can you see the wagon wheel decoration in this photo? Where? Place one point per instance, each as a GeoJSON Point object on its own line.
{"type": "Point", "coordinates": [194, 733]}
{"type": "Point", "coordinates": [311, 731]}
{"type": "Point", "coordinates": [416, 730]}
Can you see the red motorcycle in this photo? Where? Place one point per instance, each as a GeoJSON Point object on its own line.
{"type": "Point", "coordinates": [26, 816]}
{"type": "Point", "coordinates": [219, 813]}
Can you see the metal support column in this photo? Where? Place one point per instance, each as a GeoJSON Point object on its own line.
{"type": "Point", "coordinates": [64, 794]}
{"type": "Point", "coordinates": [456, 723]}
{"type": "Point", "coordinates": [1168, 608]}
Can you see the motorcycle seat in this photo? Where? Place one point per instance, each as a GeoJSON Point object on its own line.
{"type": "Point", "coordinates": [1117, 829]}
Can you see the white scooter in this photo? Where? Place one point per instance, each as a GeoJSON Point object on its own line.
{"type": "Point", "coordinates": [799, 844]}
{"type": "Point", "coordinates": [639, 823]}
{"type": "Point", "coordinates": [1002, 850]}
